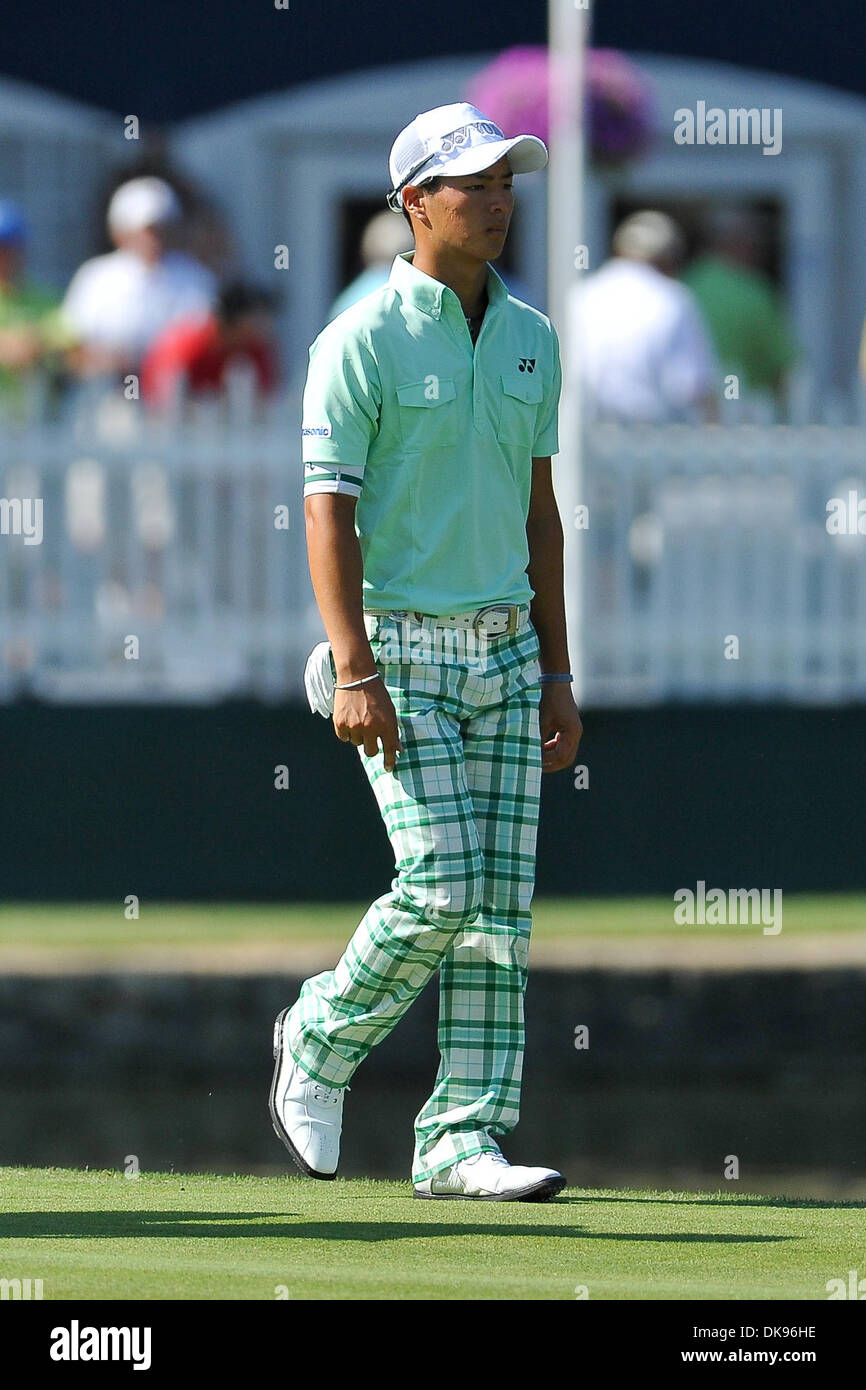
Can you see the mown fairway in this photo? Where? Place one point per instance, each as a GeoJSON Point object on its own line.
{"type": "Point", "coordinates": [103, 926]}
{"type": "Point", "coordinates": [94, 1235]}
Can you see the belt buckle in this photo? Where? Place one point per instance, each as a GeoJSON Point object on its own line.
{"type": "Point", "coordinates": [508, 608]}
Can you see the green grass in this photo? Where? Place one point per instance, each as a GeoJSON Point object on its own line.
{"type": "Point", "coordinates": [91, 1235]}
{"type": "Point", "coordinates": [103, 925]}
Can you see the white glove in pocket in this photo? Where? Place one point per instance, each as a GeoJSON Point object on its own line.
{"type": "Point", "coordinates": [320, 678]}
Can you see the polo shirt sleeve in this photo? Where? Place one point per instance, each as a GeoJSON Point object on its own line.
{"type": "Point", "coordinates": [547, 436]}
{"type": "Point", "coordinates": [342, 401]}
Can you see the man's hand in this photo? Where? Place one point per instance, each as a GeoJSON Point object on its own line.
{"type": "Point", "coordinates": [561, 727]}
{"type": "Point", "coordinates": [366, 715]}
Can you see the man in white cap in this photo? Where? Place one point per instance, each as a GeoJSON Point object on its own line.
{"type": "Point", "coordinates": [643, 350]}
{"type": "Point", "coordinates": [435, 547]}
{"type": "Point", "coordinates": [117, 304]}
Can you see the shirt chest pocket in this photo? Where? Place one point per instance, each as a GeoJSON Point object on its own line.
{"type": "Point", "coordinates": [520, 396]}
{"type": "Point", "coordinates": [427, 413]}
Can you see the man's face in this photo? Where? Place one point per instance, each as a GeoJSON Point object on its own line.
{"type": "Point", "coordinates": [147, 243]}
{"type": "Point", "coordinates": [472, 212]}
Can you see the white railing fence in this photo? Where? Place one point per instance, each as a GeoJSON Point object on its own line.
{"type": "Point", "coordinates": [185, 536]}
{"type": "Point", "coordinates": [165, 570]}
{"type": "Point", "coordinates": [708, 569]}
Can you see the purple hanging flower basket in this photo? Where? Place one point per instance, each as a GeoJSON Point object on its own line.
{"type": "Point", "coordinates": [513, 92]}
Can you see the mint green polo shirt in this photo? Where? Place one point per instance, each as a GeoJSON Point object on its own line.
{"type": "Point", "coordinates": [434, 438]}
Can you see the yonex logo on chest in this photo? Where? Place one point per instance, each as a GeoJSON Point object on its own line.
{"type": "Point", "coordinates": [526, 364]}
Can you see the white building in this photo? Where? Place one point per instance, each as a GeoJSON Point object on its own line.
{"type": "Point", "coordinates": [284, 165]}
{"type": "Point", "coordinates": [698, 535]}
{"type": "Point", "coordinates": [55, 158]}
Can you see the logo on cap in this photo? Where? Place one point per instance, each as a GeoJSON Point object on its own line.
{"type": "Point", "coordinates": [462, 136]}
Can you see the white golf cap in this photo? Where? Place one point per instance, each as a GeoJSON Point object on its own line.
{"type": "Point", "coordinates": [142, 203]}
{"type": "Point", "coordinates": [453, 140]}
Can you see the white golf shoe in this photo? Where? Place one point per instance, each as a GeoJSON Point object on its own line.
{"type": "Point", "coordinates": [307, 1115]}
{"type": "Point", "coordinates": [489, 1177]}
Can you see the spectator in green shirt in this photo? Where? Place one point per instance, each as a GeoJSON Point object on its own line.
{"type": "Point", "coordinates": [744, 313]}
{"type": "Point", "coordinates": [31, 330]}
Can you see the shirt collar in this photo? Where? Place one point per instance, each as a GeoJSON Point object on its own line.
{"type": "Point", "coordinates": [428, 294]}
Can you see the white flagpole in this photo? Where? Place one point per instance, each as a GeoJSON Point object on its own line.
{"type": "Point", "coordinates": [568, 32]}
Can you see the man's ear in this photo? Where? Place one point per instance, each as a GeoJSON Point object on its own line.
{"type": "Point", "coordinates": [414, 201]}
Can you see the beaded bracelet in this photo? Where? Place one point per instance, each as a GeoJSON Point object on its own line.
{"type": "Point", "coordinates": [546, 676]}
{"type": "Point", "coordinates": [353, 684]}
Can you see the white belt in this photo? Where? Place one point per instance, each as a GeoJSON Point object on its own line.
{"type": "Point", "coordinates": [494, 618]}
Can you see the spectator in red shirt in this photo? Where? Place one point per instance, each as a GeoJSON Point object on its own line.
{"type": "Point", "coordinates": [195, 355]}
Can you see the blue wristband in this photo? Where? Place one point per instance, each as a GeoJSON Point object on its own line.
{"type": "Point", "coordinates": [546, 676]}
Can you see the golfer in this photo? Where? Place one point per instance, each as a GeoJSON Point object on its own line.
{"type": "Point", "coordinates": [435, 549]}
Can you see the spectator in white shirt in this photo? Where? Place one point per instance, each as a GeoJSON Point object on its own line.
{"type": "Point", "coordinates": [636, 335]}
{"type": "Point", "coordinates": [118, 304]}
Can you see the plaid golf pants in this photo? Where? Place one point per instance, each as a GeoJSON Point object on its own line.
{"type": "Point", "coordinates": [461, 811]}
